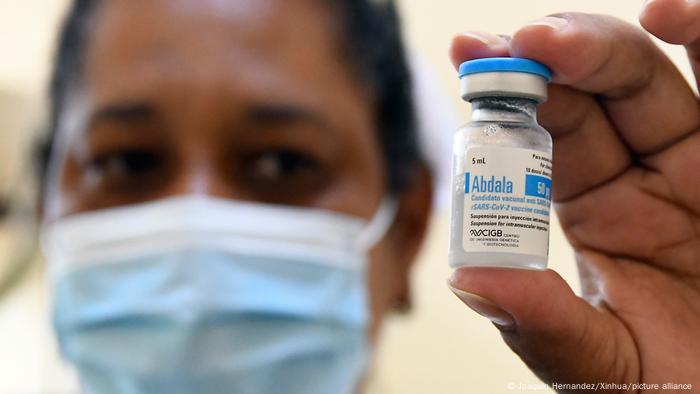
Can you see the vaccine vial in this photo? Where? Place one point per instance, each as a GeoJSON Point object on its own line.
{"type": "Point", "coordinates": [502, 167]}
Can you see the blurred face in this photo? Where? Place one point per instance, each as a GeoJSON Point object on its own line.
{"type": "Point", "coordinates": [235, 99]}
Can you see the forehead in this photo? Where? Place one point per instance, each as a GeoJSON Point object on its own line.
{"type": "Point", "coordinates": [271, 44]}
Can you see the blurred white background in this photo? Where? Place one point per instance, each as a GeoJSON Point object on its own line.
{"type": "Point", "coordinates": [441, 347]}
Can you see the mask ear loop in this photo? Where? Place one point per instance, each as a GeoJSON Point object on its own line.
{"type": "Point", "coordinates": [378, 226]}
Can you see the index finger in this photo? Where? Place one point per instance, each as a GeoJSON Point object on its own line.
{"type": "Point", "coordinates": [645, 97]}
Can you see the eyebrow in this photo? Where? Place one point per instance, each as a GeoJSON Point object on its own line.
{"type": "Point", "coordinates": [284, 113]}
{"type": "Point", "coordinates": [123, 112]}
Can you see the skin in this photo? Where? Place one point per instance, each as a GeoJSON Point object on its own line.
{"type": "Point", "coordinates": [625, 127]}
{"type": "Point", "coordinates": [235, 100]}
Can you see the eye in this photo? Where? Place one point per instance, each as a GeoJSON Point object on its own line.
{"type": "Point", "coordinates": [283, 171]}
{"type": "Point", "coordinates": [277, 164]}
{"type": "Point", "coordinates": [123, 170]}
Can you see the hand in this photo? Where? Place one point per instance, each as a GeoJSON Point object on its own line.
{"type": "Point", "coordinates": [627, 190]}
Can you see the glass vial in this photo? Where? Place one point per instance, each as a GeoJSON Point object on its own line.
{"type": "Point", "coordinates": [502, 168]}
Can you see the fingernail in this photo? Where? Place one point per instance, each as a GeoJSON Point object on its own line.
{"type": "Point", "coordinates": [484, 307]}
{"type": "Point", "coordinates": [550, 21]}
{"type": "Point", "coordinates": [487, 38]}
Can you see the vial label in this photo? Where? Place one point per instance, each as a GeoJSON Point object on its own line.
{"type": "Point", "coordinates": [507, 198]}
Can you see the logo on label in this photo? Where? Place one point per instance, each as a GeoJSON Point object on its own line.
{"type": "Point", "coordinates": [486, 233]}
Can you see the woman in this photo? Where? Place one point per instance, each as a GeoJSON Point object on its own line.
{"type": "Point", "coordinates": [234, 197]}
{"type": "Point", "coordinates": [215, 167]}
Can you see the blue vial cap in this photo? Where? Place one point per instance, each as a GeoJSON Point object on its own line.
{"type": "Point", "coordinates": [504, 64]}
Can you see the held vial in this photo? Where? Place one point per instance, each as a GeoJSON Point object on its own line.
{"type": "Point", "coordinates": [502, 167]}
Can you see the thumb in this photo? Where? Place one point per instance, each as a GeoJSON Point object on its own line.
{"type": "Point", "coordinates": [560, 336]}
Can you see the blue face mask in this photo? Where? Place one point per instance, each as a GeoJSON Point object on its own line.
{"type": "Point", "coordinates": [199, 295]}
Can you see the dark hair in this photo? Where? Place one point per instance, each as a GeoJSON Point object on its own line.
{"type": "Point", "coordinates": [372, 44]}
